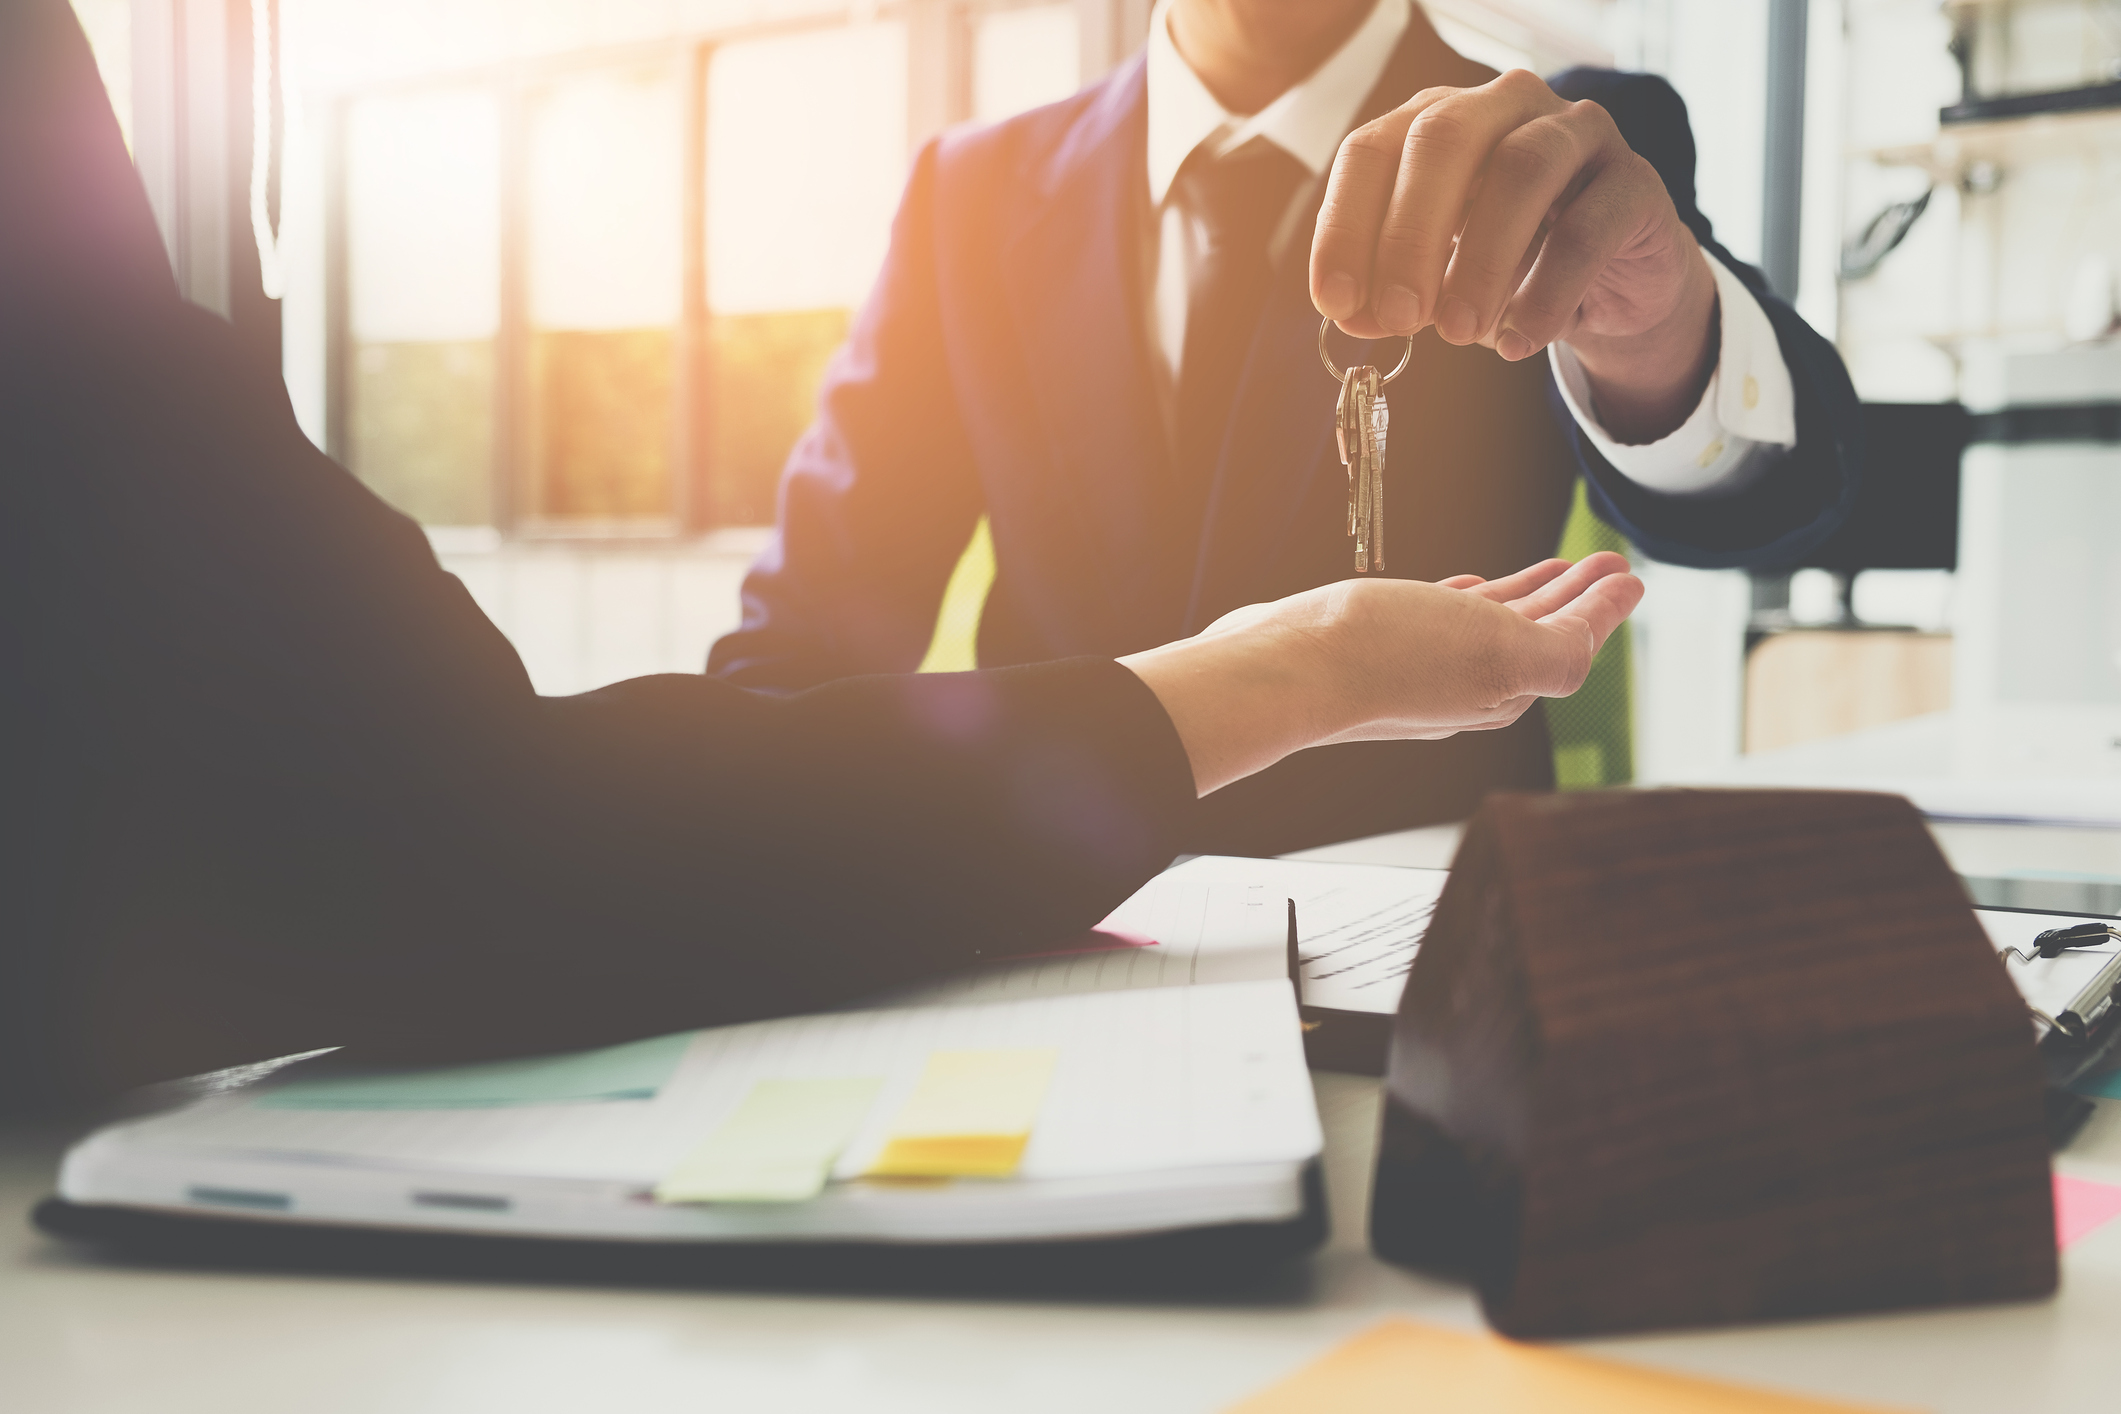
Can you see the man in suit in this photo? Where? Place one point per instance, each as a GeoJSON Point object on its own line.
{"type": "Point", "coordinates": [1096, 327]}
{"type": "Point", "coordinates": [270, 782]}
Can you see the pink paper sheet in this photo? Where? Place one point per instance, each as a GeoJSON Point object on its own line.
{"type": "Point", "coordinates": [2082, 1207]}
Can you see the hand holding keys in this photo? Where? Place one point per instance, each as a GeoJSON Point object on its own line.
{"type": "Point", "coordinates": [1359, 426]}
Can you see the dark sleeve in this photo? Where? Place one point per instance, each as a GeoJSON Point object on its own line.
{"type": "Point", "coordinates": [280, 785]}
{"type": "Point", "coordinates": [877, 500]}
{"type": "Point", "coordinates": [1799, 501]}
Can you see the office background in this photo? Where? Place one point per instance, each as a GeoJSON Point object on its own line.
{"type": "Point", "coordinates": [560, 279]}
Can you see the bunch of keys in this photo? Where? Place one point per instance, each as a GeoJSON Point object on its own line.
{"type": "Point", "coordinates": [1359, 426]}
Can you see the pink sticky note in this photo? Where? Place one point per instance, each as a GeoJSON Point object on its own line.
{"type": "Point", "coordinates": [2082, 1208]}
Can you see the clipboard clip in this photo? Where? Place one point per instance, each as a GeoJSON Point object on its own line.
{"type": "Point", "coordinates": [2082, 1037]}
{"type": "Point", "coordinates": [2057, 941]}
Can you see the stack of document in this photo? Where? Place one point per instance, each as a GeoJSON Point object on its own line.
{"type": "Point", "coordinates": [1358, 925]}
{"type": "Point", "coordinates": [1147, 1078]}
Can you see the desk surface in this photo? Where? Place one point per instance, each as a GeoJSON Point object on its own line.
{"type": "Point", "coordinates": [79, 1336]}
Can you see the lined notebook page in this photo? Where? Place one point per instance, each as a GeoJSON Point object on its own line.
{"type": "Point", "coordinates": [1147, 1079]}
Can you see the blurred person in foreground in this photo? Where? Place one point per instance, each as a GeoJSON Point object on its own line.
{"type": "Point", "coordinates": [270, 782]}
{"type": "Point", "coordinates": [1097, 327]}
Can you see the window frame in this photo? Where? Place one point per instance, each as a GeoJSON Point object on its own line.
{"type": "Point", "coordinates": [939, 57]}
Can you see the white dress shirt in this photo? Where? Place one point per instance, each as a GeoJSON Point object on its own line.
{"type": "Point", "coordinates": [1747, 416]}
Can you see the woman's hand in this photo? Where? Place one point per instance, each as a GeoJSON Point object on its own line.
{"type": "Point", "coordinates": [1383, 659]}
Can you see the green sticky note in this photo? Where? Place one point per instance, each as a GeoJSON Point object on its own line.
{"type": "Point", "coordinates": [779, 1146]}
{"type": "Point", "coordinates": [633, 1071]}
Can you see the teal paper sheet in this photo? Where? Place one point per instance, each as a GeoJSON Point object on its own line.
{"type": "Point", "coordinates": [2104, 1085]}
{"type": "Point", "coordinates": [633, 1071]}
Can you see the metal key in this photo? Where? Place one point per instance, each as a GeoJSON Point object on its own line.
{"type": "Point", "coordinates": [1360, 423]}
{"type": "Point", "coordinates": [1362, 409]}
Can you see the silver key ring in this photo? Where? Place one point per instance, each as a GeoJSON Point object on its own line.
{"type": "Point", "coordinates": [1340, 375]}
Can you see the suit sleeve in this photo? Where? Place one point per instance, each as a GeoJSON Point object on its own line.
{"type": "Point", "coordinates": [1775, 520]}
{"type": "Point", "coordinates": [879, 497]}
{"type": "Point", "coordinates": [304, 795]}
{"type": "Point", "coordinates": [273, 782]}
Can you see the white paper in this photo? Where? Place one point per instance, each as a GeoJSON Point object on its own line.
{"type": "Point", "coordinates": [1203, 931]}
{"type": "Point", "coordinates": [1358, 926]}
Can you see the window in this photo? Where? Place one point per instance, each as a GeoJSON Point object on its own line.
{"type": "Point", "coordinates": [806, 151]}
{"type": "Point", "coordinates": [421, 175]}
{"type": "Point", "coordinates": [603, 232]}
{"type": "Point", "coordinates": [1022, 58]}
{"type": "Point", "coordinates": [109, 27]}
{"type": "Point", "coordinates": [582, 271]}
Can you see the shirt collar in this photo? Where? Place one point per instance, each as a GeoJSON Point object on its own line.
{"type": "Point", "coordinates": [1307, 122]}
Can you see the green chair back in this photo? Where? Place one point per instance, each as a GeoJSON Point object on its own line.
{"type": "Point", "coordinates": [1593, 731]}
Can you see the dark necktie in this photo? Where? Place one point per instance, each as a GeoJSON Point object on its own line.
{"type": "Point", "coordinates": [1237, 200]}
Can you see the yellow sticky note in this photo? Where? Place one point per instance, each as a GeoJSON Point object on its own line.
{"type": "Point", "coordinates": [969, 1117]}
{"type": "Point", "coordinates": [1400, 1365]}
{"type": "Point", "coordinates": [779, 1146]}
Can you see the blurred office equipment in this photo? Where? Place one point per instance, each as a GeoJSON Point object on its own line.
{"type": "Point", "coordinates": [2005, 116]}
{"type": "Point", "coordinates": [1906, 515]}
{"type": "Point", "coordinates": [1988, 37]}
{"type": "Point", "coordinates": [1865, 251]}
{"type": "Point", "coordinates": [2038, 681]}
{"type": "Point", "coordinates": [2034, 730]}
{"type": "Point", "coordinates": [1996, 116]}
{"type": "Point", "coordinates": [1822, 668]}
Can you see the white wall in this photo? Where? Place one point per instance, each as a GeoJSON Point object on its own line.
{"type": "Point", "coordinates": [583, 614]}
{"type": "Point", "coordinates": [1715, 53]}
{"type": "Point", "coordinates": [1689, 656]}
{"type": "Point", "coordinates": [1689, 635]}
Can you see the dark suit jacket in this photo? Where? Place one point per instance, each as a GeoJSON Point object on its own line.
{"type": "Point", "coordinates": [269, 781]}
{"type": "Point", "coordinates": [1000, 367]}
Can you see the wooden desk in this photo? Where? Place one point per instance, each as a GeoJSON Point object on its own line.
{"type": "Point", "coordinates": [77, 1336]}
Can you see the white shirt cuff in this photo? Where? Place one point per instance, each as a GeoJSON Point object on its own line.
{"type": "Point", "coordinates": [1746, 420]}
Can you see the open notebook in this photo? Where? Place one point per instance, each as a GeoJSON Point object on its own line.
{"type": "Point", "coordinates": [1147, 1081]}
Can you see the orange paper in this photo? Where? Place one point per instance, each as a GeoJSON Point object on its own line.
{"type": "Point", "coordinates": [1400, 1367]}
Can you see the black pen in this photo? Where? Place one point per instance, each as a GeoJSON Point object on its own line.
{"type": "Point", "coordinates": [1296, 973]}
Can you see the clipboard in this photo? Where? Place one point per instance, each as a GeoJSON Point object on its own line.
{"type": "Point", "coordinates": [2080, 1026]}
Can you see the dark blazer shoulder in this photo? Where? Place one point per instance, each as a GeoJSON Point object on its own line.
{"type": "Point", "coordinates": [1653, 118]}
